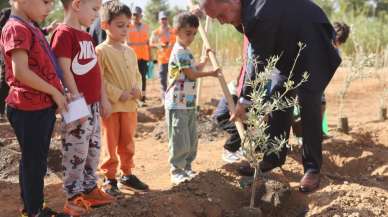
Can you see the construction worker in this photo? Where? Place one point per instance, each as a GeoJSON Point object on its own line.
{"type": "Point", "coordinates": [138, 39]}
{"type": "Point", "coordinates": [163, 39]}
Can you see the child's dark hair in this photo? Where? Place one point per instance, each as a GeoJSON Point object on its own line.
{"type": "Point", "coordinates": [185, 19]}
{"type": "Point", "coordinates": [112, 9]}
{"type": "Point", "coordinates": [342, 31]}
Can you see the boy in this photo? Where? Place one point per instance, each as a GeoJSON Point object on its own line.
{"type": "Point", "coordinates": [35, 94]}
{"type": "Point", "coordinates": [123, 84]}
{"type": "Point", "coordinates": [81, 140]}
{"type": "Point", "coordinates": [180, 99]}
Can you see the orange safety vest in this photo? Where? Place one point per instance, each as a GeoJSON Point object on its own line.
{"type": "Point", "coordinates": [167, 37]}
{"type": "Point", "coordinates": [138, 40]}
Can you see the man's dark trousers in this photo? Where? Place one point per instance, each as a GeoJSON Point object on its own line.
{"type": "Point", "coordinates": [280, 124]}
{"type": "Point", "coordinates": [142, 64]}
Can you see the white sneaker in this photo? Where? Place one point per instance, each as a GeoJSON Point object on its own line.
{"type": "Point", "coordinates": [230, 157]}
{"type": "Point", "coordinates": [191, 174]}
{"type": "Point", "coordinates": [240, 153]}
{"type": "Point", "coordinates": [179, 178]}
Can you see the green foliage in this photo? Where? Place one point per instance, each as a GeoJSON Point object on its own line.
{"type": "Point", "coordinates": [357, 70]}
{"type": "Point", "coordinates": [152, 10]}
{"type": "Point", "coordinates": [56, 14]}
{"type": "Point", "coordinates": [367, 20]}
{"type": "Point", "coordinates": [225, 40]}
{"type": "Point", "coordinates": [3, 4]}
{"type": "Point", "coordinates": [257, 142]}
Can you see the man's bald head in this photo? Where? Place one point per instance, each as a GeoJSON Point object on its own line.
{"type": "Point", "coordinates": [225, 11]}
{"type": "Point", "coordinates": [204, 2]}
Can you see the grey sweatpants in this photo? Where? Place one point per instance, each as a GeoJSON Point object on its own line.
{"type": "Point", "coordinates": [81, 152]}
{"type": "Point", "coordinates": [182, 138]}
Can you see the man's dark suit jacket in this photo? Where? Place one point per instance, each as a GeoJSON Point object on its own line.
{"type": "Point", "coordinates": [274, 27]}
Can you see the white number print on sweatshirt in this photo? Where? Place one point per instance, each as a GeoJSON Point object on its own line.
{"type": "Point", "coordinates": [86, 53]}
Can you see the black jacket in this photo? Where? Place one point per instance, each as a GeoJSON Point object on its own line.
{"type": "Point", "coordinates": [274, 27]}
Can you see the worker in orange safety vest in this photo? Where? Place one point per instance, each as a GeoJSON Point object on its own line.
{"type": "Point", "coordinates": [163, 39]}
{"type": "Point", "coordinates": [138, 39]}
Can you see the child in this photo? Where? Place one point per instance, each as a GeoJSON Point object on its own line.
{"type": "Point", "coordinates": [180, 99]}
{"type": "Point", "coordinates": [342, 31]}
{"type": "Point", "coordinates": [81, 140]}
{"type": "Point", "coordinates": [35, 94]}
{"type": "Point", "coordinates": [123, 84]}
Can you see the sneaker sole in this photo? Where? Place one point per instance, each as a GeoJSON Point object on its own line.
{"type": "Point", "coordinates": [124, 187]}
{"type": "Point", "coordinates": [97, 203]}
{"type": "Point", "coordinates": [188, 179]}
{"type": "Point", "coordinates": [230, 161]}
{"type": "Point", "coordinates": [116, 194]}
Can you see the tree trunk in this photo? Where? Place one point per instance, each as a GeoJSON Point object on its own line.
{"type": "Point", "coordinates": [383, 114]}
{"type": "Point", "coordinates": [343, 125]}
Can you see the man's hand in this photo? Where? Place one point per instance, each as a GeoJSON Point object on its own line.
{"type": "Point", "coordinates": [125, 96]}
{"type": "Point", "coordinates": [196, 10]}
{"type": "Point", "coordinates": [239, 113]}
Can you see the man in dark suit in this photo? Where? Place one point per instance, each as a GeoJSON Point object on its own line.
{"type": "Point", "coordinates": [274, 27]}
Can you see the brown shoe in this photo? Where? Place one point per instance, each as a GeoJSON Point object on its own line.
{"type": "Point", "coordinates": [309, 182]}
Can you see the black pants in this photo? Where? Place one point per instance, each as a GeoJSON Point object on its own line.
{"type": "Point", "coordinates": [221, 115]}
{"type": "Point", "coordinates": [143, 71]}
{"type": "Point", "coordinates": [311, 118]}
{"type": "Point", "coordinates": [163, 71]}
{"type": "Point", "coordinates": [280, 124]}
{"type": "Point", "coordinates": [33, 130]}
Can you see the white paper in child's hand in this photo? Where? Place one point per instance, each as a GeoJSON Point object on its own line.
{"type": "Point", "coordinates": [77, 109]}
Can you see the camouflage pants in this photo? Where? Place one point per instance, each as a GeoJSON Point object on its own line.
{"type": "Point", "coordinates": [81, 152]}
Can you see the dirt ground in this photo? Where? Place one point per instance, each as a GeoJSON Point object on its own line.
{"type": "Point", "coordinates": [354, 174]}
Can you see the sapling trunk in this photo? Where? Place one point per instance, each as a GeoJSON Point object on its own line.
{"type": "Point", "coordinates": [383, 114]}
{"type": "Point", "coordinates": [344, 125]}
{"type": "Point", "coordinates": [357, 70]}
{"type": "Point", "coordinates": [254, 185]}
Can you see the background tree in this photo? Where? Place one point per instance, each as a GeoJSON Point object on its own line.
{"type": "Point", "coordinates": [4, 4]}
{"type": "Point", "coordinates": [153, 8]}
